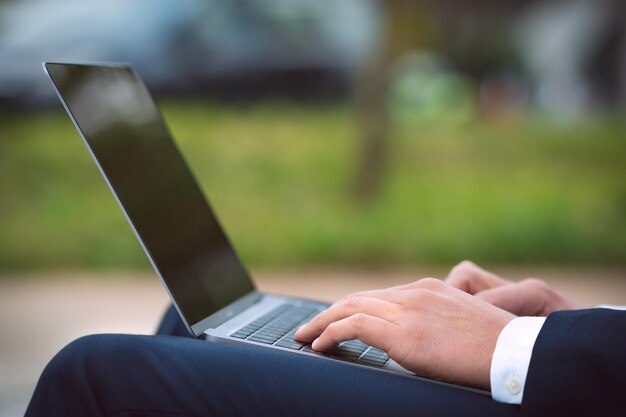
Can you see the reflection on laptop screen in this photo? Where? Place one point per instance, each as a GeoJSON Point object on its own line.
{"type": "Point", "coordinates": [125, 132]}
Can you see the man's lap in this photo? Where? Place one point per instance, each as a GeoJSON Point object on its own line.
{"type": "Point", "coordinates": [167, 375]}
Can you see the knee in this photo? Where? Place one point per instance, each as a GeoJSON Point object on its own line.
{"type": "Point", "coordinates": [94, 371]}
{"type": "Point", "coordinates": [82, 358]}
{"type": "Point", "coordinates": [85, 348]}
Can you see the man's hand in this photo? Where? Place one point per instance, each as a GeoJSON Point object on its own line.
{"type": "Point", "coordinates": [428, 327]}
{"type": "Point", "coordinates": [530, 297]}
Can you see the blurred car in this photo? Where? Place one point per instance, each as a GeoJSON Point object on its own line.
{"type": "Point", "coordinates": [237, 48]}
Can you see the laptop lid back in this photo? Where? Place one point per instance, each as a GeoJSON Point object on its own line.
{"type": "Point", "coordinates": [121, 125]}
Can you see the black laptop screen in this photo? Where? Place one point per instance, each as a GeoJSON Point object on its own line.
{"type": "Point", "coordinates": [127, 136]}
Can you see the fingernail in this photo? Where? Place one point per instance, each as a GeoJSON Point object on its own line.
{"type": "Point", "coordinates": [314, 343]}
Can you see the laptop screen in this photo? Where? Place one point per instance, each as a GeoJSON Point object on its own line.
{"type": "Point", "coordinates": [162, 200]}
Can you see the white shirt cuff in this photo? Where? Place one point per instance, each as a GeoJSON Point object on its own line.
{"type": "Point", "coordinates": [511, 358]}
{"type": "Point", "coordinates": [610, 307]}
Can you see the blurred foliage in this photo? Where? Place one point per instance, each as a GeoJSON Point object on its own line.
{"type": "Point", "coordinates": [279, 176]}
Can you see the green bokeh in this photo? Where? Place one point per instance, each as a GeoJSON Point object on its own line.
{"type": "Point", "coordinates": [280, 176]}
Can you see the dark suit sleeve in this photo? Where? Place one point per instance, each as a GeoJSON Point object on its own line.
{"type": "Point", "coordinates": [578, 365]}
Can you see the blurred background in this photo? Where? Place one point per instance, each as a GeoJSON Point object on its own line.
{"type": "Point", "coordinates": [344, 145]}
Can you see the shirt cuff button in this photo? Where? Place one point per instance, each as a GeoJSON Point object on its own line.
{"type": "Point", "coordinates": [513, 386]}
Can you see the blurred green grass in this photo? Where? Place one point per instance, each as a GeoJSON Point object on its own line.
{"type": "Point", "coordinates": [280, 178]}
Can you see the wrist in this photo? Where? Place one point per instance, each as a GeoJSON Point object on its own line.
{"type": "Point", "coordinates": [500, 323]}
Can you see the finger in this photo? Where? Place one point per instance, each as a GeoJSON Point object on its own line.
{"type": "Point", "coordinates": [469, 277]}
{"type": "Point", "coordinates": [350, 306]}
{"type": "Point", "coordinates": [521, 298]}
{"type": "Point", "coordinates": [372, 330]}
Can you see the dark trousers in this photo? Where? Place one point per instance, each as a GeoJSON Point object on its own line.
{"type": "Point", "coordinates": [171, 374]}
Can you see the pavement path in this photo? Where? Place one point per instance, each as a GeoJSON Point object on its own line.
{"type": "Point", "coordinates": [40, 313]}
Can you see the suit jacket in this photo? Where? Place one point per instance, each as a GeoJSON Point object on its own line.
{"type": "Point", "coordinates": [578, 365]}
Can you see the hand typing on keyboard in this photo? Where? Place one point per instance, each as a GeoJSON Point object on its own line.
{"type": "Point", "coordinates": [428, 327]}
{"type": "Point", "coordinates": [278, 327]}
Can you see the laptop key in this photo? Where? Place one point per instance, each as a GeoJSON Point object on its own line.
{"type": "Point", "coordinates": [351, 350]}
{"type": "Point", "coordinates": [377, 351]}
{"type": "Point", "coordinates": [356, 343]}
{"type": "Point", "coordinates": [269, 330]}
{"type": "Point", "coordinates": [343, 355]}
{"type": "Point", "coordinates": [289, 344]}
{"type": "Point", "coordinates": [263, 336]}
{"type": "Point", "coordinates": [373, 362]}
{"type": "Point", "coordinates": [350, 356]}
{"type": "Point", "coordinates": [272, 338]}
{"type": "Point", "coordinates": [374, 355]}
{"type": "Point", "coordinates": [261, 340]}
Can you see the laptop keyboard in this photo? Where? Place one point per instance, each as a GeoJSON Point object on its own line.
{"type": "Point", "coordinates": [278, 327]}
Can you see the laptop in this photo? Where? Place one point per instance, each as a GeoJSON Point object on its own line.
{"type": "Point", "coordinates": [190, 252]}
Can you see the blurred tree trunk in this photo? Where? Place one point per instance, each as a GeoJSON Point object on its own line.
{"type": "Point", "coordinates": [373, 120]}
{"type": "Point", "coordinates": [405, 27]}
